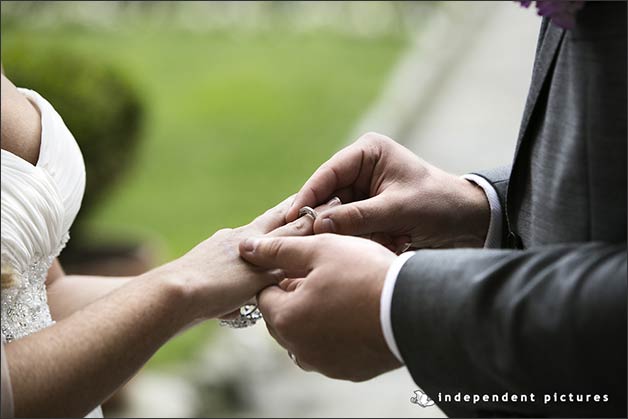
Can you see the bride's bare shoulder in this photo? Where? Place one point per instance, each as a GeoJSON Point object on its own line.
{"type": "Point", "coordinates": [20, 124]}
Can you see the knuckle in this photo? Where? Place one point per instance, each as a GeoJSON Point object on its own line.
{"type": "Point", "coordinates": [373, 146]}
{"type": "Point", "coordinates": [274, 212]}
{"type": "Point", "coordinates": [223, 233]}
{"type": "Point", "coordinates": [273, 248]}
{"type": "Point", "coordinates": [311, 193]}
{"type": "Point", "coordinates": [300, 225]}
{"type": "Point", "coordinates": [370, 136]}
{"type": "Point", "coordinates": [241, 231]}
{"type": "Point", "coordinates": [263, 218]}
{"type": "Point", "coordinates": [260, 218]}
{"type": "Point", "coordinates": [374, 139]}
{"type": "Point", "coordinates": [356, 216]}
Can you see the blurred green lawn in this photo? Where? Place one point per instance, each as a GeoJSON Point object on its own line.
{"type": "Point", "coordinates": [236, 121]}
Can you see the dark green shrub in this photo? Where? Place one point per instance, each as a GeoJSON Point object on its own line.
{"type": "Point", "coordinates": [98, 105]}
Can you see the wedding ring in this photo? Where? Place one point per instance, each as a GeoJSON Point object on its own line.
{"type": "Point", "coordinates": [308, 211]}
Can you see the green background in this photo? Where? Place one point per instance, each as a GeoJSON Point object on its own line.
{"type": "Point", "coordinates": [235, 121]}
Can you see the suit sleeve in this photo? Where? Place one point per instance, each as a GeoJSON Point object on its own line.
{"type": "Point", "coordinates": [543, 321]}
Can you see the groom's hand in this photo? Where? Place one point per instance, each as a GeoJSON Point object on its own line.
{"type": "Point", "coordinates": [215, 280]}
{"type": "Point", "coordinates": [330, 317]}
{"type": "Point", "coordinates": [272, 224]}
{"type": "Point", "coordinates": [395, 198]}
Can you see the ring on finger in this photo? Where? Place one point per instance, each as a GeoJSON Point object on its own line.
{"type": "Point", "coordinates": [308, 211]}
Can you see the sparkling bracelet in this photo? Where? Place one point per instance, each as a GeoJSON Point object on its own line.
{"type": "Point", "coordinates": [249, 315]}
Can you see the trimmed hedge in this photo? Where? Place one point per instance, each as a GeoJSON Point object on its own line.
{"type": "Point", "coordinates": [99, 106]}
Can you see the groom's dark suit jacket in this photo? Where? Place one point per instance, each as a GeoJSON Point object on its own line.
{"type": "Point", "coordinates": [546, 314]}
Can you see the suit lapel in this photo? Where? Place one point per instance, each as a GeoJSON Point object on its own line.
{"type": "Point", "coordinates": [549, 39]}
{"type": "Point", "coordinates": [549, 42]}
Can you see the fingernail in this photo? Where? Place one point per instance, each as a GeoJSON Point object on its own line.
{"type": "Point", "coordinates": [328, 226]}
{"type": "Point", "coordinates": [249, 245]}
{"type": "Point", "coordinates": [334, 202]}
{"type": "Point", "coordinates": [403, 247]}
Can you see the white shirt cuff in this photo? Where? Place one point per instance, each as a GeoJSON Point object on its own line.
{"type": "Point", "coordinates": [493, 240]}
{"type": "Point", "coordinates": [494, 234]}
{"type": "Point", "coordinates": [385, 304]}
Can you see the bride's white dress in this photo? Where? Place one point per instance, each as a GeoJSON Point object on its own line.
{"type": "Point", "coordinates": [39, 205]}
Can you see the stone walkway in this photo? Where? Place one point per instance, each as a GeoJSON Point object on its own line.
{"type": "Point", "coordinates": [466, 111]}
{"type": "Point", "coordinates": [455, 99]}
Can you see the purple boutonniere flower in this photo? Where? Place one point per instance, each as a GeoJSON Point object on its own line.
{"type": "Point", "coordinates": [561, 12]}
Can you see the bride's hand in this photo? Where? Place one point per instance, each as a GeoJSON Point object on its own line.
{"type": "Point", "coordinates": [212, 276]}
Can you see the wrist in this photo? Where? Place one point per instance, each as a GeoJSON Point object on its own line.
{"type": "Point", "coordinates": [473, 215]}
{"type": "Point", "coordinates": [174, 285]}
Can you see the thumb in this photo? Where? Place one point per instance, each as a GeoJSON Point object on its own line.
{"type": "Point", "coordinates": [270, 300]}
{"type": "Point", "coordinates": [356, 218]}
{"type": "Point", "coordinates": [290, 254]}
